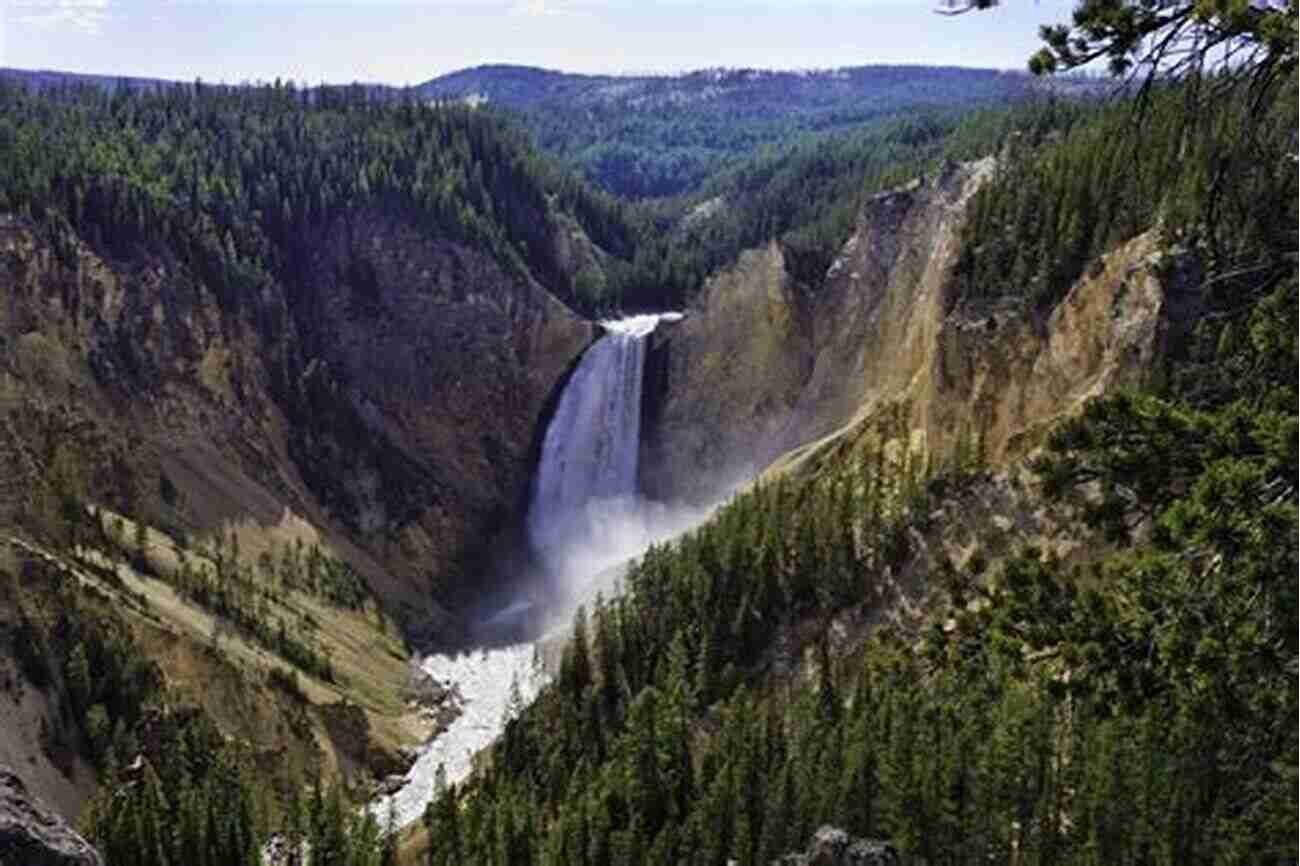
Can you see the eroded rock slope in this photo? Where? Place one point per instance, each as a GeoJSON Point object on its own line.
{"type": "Point", "coordinates": [761, 366]}
{"type": "Point", "coordinates": [390, 399]}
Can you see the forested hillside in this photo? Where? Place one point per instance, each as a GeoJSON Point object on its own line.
{"type": "Point", "coordinates": [806, 194]}
{"type": "Point", "coordinates": [1134, 702]}
{"type": "Point", "coordinates": [1215, 182]}
{"type": "Point", "coordinates": [201, 747]}
{"type": "Point", "coordinates": [655, 136]}
{"type": "Point", "coordinates": [213, 551]}
{"type": "Point", "coordinates": [662, 136]}
{"type": "Point", "coordinates": [187, 266]}
{"type": "Point", "coordinates": [820, 143]}
{"type": "Point", "coordinates": [241, 177]}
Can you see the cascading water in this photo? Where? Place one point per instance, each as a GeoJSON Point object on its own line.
{"type": "Point", "coordinates": [585, 517]}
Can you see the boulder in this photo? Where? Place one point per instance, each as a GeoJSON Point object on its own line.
{"type": "Point", "coordinates": [833, 847]}
{"type": "Point", "coordinates": [32, 835]}
{"type": "Point", "coordinates": [390, 785]}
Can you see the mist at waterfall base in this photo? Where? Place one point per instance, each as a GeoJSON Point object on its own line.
{"type": "Point", "coordinates": [585, 522]}
{"type": "Point", "coordinates": [587, 551]}
{"type": "Point", "coordinates": [587, 517]}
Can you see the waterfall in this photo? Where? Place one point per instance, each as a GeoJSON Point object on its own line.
{"type": "Point", "coordinates": [585, 517]}
{"type": "Point", "coordinates": [585, 505]}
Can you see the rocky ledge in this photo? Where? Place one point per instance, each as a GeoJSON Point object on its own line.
{"type": "Point", "coordinates": [32, 835]}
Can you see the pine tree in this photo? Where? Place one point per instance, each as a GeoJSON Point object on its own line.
{"type": "Point", "coordinates": [76, 675]}
{"type": "Point", "coordinates": [674, 729]}
{"type": "Point", "coordinates": [575, 666]}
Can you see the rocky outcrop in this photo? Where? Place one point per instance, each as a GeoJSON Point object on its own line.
{"type": "Point", "coordinates": [722, 384]}
{"type": "Point", "coordinates": [32, 835]}
{"type": "Point", "coordinates": [761, 366]}
{"type": "Point", "coordinates": [833, 847]}
{"type": "Point", "coordinates": [1010, 373]}
{"type": "Point", "coordinates": [810, 363]}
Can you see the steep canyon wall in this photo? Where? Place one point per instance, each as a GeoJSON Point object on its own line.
{"type": "Point", "coordinates": [389, 397]}
{"type": "Point", "coordinates": [762, 366]}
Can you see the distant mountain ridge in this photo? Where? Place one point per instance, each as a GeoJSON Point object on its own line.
{"type": "Point", "coordinates": [526, 86]}
{"type": "Point", "coordinates": [43, 79]}
{"type": "Point", "coordinates": [518, 86]}
{"type": "Point", "coordinates": [654, 136]}
{"type": "Point", "coordinates": [49, 79]}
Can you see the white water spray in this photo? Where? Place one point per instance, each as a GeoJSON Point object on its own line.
{"type": "Point", "coordinates": [585, 517]}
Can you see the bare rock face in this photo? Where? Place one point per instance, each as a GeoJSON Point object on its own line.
{"type": "Point", "coordinates": [1011, 375]}
{"type": "Point", "coordinates": [878, 316]}
{"type": "Point", "coordinates": [447, 360]}
{"type": "Point", "coordinates": [388, 397]}
{"type": "Point", "coordinates": [761, 367]}
{"type": "Point", "coordinates": [799, 367]}
{"type": "Point", "coordinates": [722, 384]}
{"type": "Point", "coordinates": [833, 847]}
{"type": "Point", "coordinates": [32, 835]}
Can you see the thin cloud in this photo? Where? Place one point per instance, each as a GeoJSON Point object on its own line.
{"type": "Point", "coordinates": [87, 16]}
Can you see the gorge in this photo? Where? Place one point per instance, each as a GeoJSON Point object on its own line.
{"type": "Point", "coordinates": [586, 516]}
{"type": "Point", "coordinates": [310, 454]}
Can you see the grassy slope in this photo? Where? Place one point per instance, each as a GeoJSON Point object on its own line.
{"type": "Point", "coordinates": [212, 664]}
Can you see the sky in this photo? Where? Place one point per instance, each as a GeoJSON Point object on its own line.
{"type": "Point", "coordinates": [410, 41]}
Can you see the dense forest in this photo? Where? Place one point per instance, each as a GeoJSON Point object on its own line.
{"type": "Point", "coordinates": [1126, 713]}
{"type": "Point", "coordinates": [806, 194]}
{"type": "Point", "coordinates": [1217, 183]}
{"type": "Point", "coordinates": [238, 182]}
{"type": "Point", "coordinates": [657, 136]}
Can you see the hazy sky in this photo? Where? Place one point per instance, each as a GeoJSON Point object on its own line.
{"type": "Point", "coordinates": [409, 41]}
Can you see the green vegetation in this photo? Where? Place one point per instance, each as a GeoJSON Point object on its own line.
{"type": "Point", "coordinates": [1220, 186]}
{"type": "Point", "coordinates": [238, 182]}
{"type": "Point", "coordinates": [761, 675]}
{"type": "Point", "coordinates": [1136, 708]}
{"type": "Point", "coordinates": [249, 597]}
{"type": "Point", "coordinates": [1178, 39]}
{"type": "Point", "coordinates": [808, 194]}
{"type": "Point", "coordinates": [60, 460]}
{"type": "Point", "coordinates": [175, 789]}
{"type": "Point", "coordinates": [623, 760]}
{"type": "Point", "coordinates": [1141, 710]}
{"type": "Point", "coordinates": [207, 805]}
{"type": "Point", "coordinates": [107, 685]}
{"type": "Point", "coordinates": [230, 591]}
{"type": "Point", "coordinates": [662, 136]}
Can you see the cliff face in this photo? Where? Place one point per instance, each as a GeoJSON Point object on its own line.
{"type": "Point", "coordinates": [389, 399]}
{"type": "Point", "coordinates": [723, 383]}
{"type": "Point", "coordinates": [760, 366]}
{"type": "Point", "coordinates": [446, 363]}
